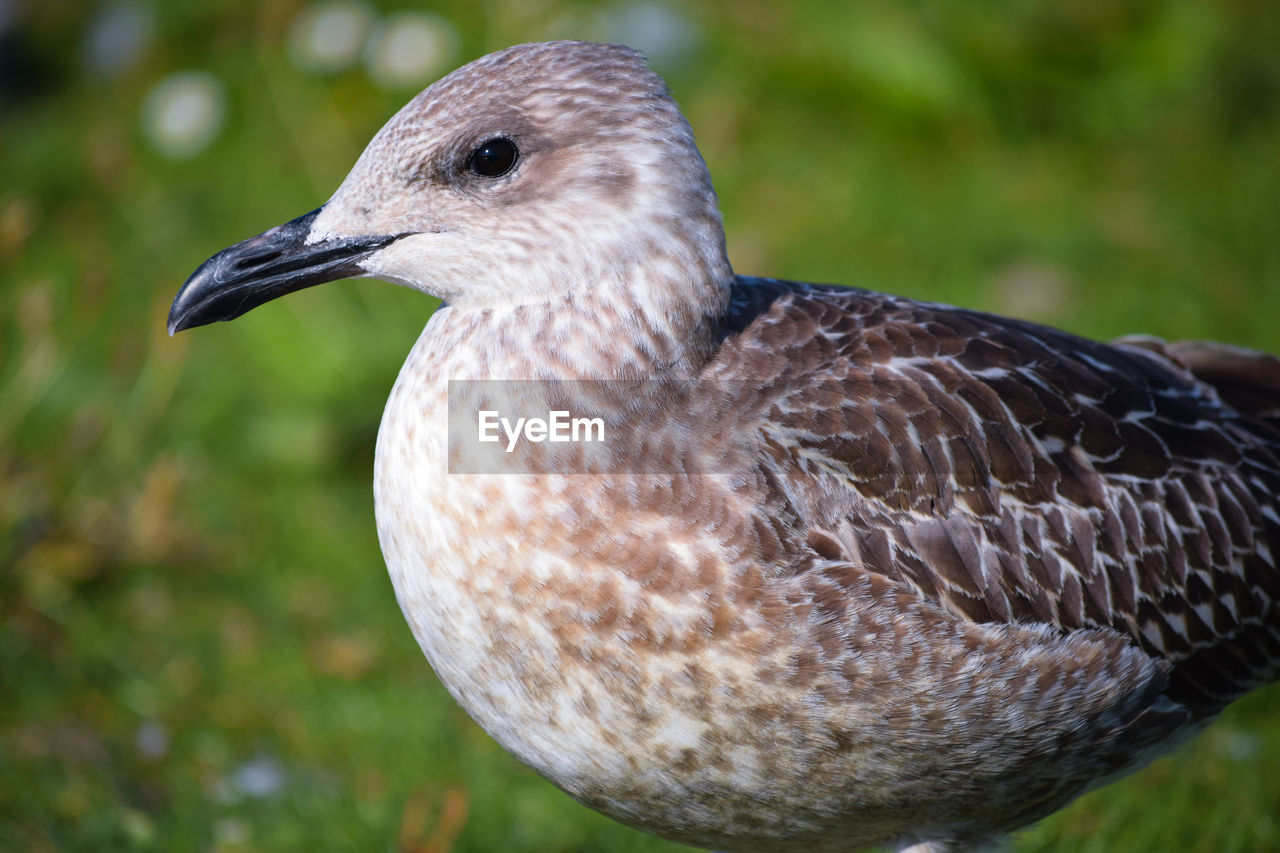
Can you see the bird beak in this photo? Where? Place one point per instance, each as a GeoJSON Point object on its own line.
{"type": "Point", "coordinates": [261, 268]}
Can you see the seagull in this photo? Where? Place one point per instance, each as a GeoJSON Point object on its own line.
{"type": "Point", "coordinates": [864, 571]}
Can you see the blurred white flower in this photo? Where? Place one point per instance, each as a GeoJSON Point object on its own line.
{"type": "Point", "coordinates": [152, 739]}
{"type": "Point", "coordinates": [327, 37]}
{"type": "Point", "coordinates": [183, 113]}
{"type": "Point", "coordinates": [117, 36]}
{"type": "Point", "coordinates": [656, 29]}
{"type": "Point", "coordinates": [409, 48]}
{"type": "Point", "coordinates": [262, 776]}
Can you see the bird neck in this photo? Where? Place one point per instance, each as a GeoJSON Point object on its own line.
{"type": "Point", "coordinates": [634, 328]}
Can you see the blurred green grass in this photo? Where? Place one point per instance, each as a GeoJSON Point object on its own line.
{"type": "Point", "coordinates": [199, 648]}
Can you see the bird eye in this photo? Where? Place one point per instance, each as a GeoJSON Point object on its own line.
{"type": "Point", "coordinates": [493, 159]}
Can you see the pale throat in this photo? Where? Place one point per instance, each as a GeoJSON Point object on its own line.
{"type": "Point", "coordinates": [640, 328]}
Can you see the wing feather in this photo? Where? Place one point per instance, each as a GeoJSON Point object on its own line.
{"type": "Point", "coordinates": [1014, 473]}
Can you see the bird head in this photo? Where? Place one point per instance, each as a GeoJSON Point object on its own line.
{"type": "Point", "coordinates": [541, 170]}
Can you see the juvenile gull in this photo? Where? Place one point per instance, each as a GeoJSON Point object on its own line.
{"type": "Point", "coordinates": [951, 570]}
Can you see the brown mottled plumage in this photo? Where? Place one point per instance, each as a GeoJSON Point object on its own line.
{"type": "Point", "coordinates": [867, 571]}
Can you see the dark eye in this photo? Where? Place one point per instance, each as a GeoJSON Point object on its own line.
{"type": "Point", "coordinates": [493, 159]}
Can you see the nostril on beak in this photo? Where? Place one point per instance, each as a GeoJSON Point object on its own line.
{"type": "Point", "coordinates": [257, 259]}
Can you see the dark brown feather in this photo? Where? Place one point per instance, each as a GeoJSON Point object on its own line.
{"type": "Point", "coordinates": [1011, 473]}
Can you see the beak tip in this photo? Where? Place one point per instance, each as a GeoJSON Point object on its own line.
{"type": "Point", "coordinates": [175, 322]}
{"type": "Point", "coordinates": [262, 268]}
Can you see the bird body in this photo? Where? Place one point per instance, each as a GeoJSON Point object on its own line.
{"type": "Point", "coordinates": [860, 570]}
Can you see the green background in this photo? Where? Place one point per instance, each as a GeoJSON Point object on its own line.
{"type": "Point", "coordinates": [191, 592]}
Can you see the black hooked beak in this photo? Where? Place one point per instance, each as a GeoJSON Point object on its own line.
{"type": "Point", "coordinates": [261, 268]}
